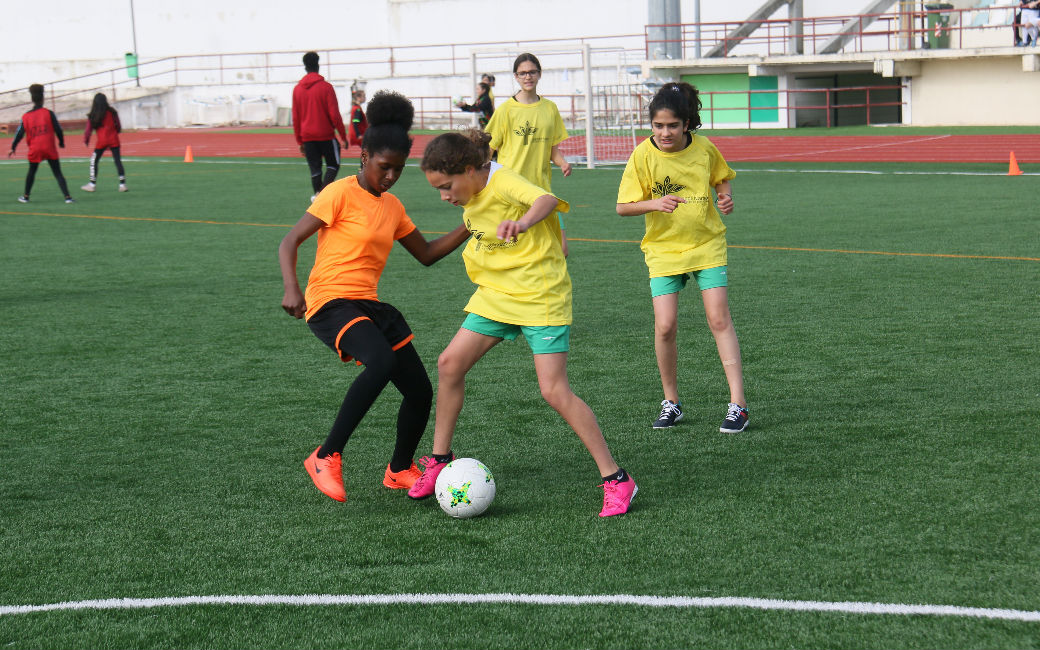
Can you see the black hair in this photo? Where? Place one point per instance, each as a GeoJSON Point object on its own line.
{"type": "Point", "coordinates": [489, 77]}
{"type": "Point", "coordinates": [390, 116]}
{"type": "Point", "coordinates": [682, 100]}
{"type": "Point", "coordinates": [98, 110]}
{"type": "Point", "coordinates": [310, 62]}
{"type": "Point", "coordinates": [526, 56]}
{"type": "Point", "coordinates": [484, 87]}
{"type": "Point", "coordinates": [451, 153]}
{"type": "Point", "coordinates": [36, 93]}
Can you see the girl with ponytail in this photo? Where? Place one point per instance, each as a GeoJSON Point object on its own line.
{"type": "Point", "coordinates": [516, 260]}
{"type": "Point", "coordinates": [357, 221]}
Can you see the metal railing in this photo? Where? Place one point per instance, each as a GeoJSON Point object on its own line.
{"type": "Point", "coordinates": [905, 29]}
{"type": "Point", "coordinates": [339, 67]}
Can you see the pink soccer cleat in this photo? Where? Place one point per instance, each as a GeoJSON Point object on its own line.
{"type": "Point", "coordinates": [617, 496]}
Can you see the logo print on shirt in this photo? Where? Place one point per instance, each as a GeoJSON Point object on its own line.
{"type": "Point", "coordinates": [526, 130]}
{"type": "Point", "coordinates": [666, 187]}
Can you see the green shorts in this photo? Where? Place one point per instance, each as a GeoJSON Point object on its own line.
{"type": "Point", "coordinates": [712, 278]}
{"type": "Point", "coordinates": [542, 339]}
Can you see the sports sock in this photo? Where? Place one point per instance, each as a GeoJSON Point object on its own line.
{"type": "Point", "coordinates": [621, 476]}
{"type": "Point", "coordinates": [443, 458]}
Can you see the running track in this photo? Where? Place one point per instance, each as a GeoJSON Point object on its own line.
{"type": "Point", "coordinates": [928, 148]}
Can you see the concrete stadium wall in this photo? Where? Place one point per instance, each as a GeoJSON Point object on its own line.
{"type": "Point", "coordinates": [990, 91]}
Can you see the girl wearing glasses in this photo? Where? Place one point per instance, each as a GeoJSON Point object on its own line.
{"type": "Point", "coordinates": [526, 131]}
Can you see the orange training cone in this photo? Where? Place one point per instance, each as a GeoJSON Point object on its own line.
{"type": "Point", "coordinates": [190, 158]}
{"type": "Point", "coordinates": [1013, 169]}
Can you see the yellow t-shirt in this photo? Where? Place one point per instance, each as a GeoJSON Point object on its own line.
{"type": "Point", "coordinates": [523, 282]}
{"type": "Point", "coordinates": [524, 135]}
{"type": "Point", "coordinates": [692, 237]}
{"type": "Point", "coordinates": [353, 245]}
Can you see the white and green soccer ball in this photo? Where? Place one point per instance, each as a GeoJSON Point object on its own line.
{"type": "Point", "coordinates": [465, 488]}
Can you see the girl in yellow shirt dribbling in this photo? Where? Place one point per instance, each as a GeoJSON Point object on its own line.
{"type": "Point", "coordinates": [515, 259]}
{"type": "Point", "coordinates": [669, 178]}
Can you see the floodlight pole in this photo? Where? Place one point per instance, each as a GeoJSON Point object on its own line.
{"type": "Point", "coordinates": [133, 32]}
{"type": "Point", "coordinates": [697, 29]}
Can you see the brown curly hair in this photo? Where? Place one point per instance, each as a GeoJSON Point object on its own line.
{"type": "Point", "coordinates": [451, 153]}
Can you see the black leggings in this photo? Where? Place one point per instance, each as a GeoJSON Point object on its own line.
{"type": "Point", "coordinates": [116, 158]}
{"type": "Point", "coordinates": [366, 343]}
{"type": "Point", "coordinates": [55, 164]}
{"type": "Point", "coordinates": [315, 151]}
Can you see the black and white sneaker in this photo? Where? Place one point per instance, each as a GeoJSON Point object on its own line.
{"type": "Point", "coordinates": [23, 199]}
{"type": "Point", "coordinates": [736, 419]}
{"type": "Point", "coordinates": [671, 413]}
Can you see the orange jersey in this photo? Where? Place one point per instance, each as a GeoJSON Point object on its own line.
{"type": "Point", "coordinates": [353, 246]}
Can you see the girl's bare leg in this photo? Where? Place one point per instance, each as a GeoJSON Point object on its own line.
{"type": "Point", "coordinates": [556, 389]}
{"type": "Point", "coordinates": [462, 353]}
{"type": "Point", "coordinates": [716, 309]}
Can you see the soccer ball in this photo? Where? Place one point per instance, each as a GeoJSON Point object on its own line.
{"type": "Point", "coordinates": [465, 488]}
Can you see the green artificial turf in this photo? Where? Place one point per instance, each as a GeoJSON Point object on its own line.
{"type": "Point", "coordinates": [157, 405]}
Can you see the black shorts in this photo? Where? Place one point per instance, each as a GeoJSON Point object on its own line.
{"type": "Point", "coordinates": [337, 316]}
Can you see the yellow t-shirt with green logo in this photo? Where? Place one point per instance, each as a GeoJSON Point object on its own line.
{"type": "Point", "coordinates": [692, 237]}
{"type": "Point", "coordinates": [523, 282]}
{"type": "Point", "coordinates": [524, 135]}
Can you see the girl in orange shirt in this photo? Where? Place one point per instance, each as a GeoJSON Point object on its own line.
{"type": "Point", "coordinates": [357, 221]}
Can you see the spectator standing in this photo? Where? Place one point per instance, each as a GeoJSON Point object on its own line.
{"type": "Point", "coordinates": [316, 119]}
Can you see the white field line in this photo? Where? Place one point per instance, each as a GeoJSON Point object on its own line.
{"type": "Point", "coordinates": [624, 600]}
{"type": "Point", "coordinates": [604, 167]}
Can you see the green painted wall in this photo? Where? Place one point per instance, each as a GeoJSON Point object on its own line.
{"type": "Point", "coordinates": [734, 108]}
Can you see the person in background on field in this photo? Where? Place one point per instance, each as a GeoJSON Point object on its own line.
{"type": "Point", "coordinates": [526, 131]}
{"type": "Point", "coordinates": [316, 119]}
{"type": "Point", "coordinates": [42, 131]}
{"type": "Point", "coordinates": [357, 221]}
{"type": "Point", "coordinates": [523, 287]}
{"type": "Point", "coordinates": [358, 122]}
{"type": "Point", "coordinates": [489, 79]}
{"type": "Point", "coordinates": [105, 120]}
{"type": "Point", "coordinates": [482, 104]}
{"type": "Point", "coordinates": [669, 178]}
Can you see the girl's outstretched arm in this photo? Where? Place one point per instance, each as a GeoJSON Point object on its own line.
{"type": "Point", "coordinates": [542, 207]}
{"type": "Point", "coordinates": [428, 252]}
{"type": "Point", "coordinates": [293, 301]}
{"type": "Point", "coordinates": [666, 204]}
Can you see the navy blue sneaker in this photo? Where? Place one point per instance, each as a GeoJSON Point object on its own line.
{"type": "Point", "coordinates": [671, 413]}
{"type": "Point", "coordinates": [736, 419]}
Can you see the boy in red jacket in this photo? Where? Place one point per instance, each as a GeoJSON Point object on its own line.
{"type": "Point", "coordinates": [316, 118]}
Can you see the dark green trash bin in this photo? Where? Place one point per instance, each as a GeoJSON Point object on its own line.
{"type": "Point", "coordinates": [938, 26]}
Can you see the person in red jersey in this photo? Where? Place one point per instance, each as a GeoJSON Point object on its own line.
{"type": "Point", "coordinates": [358, 122]}
{"type": "Point", "coordinates": [105, 120]}
{"type": "Point", "coordinates": [316, 119]}
{"type": "Point", "coordinates": [42, 131]}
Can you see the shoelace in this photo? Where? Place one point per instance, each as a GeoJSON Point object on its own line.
{"type": "Point", "coordinates": [334, 464]}
{"type": "Point", "coordinates": [427, 462]}
{"type": "Point", "coordinates": [666, 408]}
{"type": "Point", "coordinates": [734, 414]}
{"type": "Point", "coordinates": [611, 494]}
